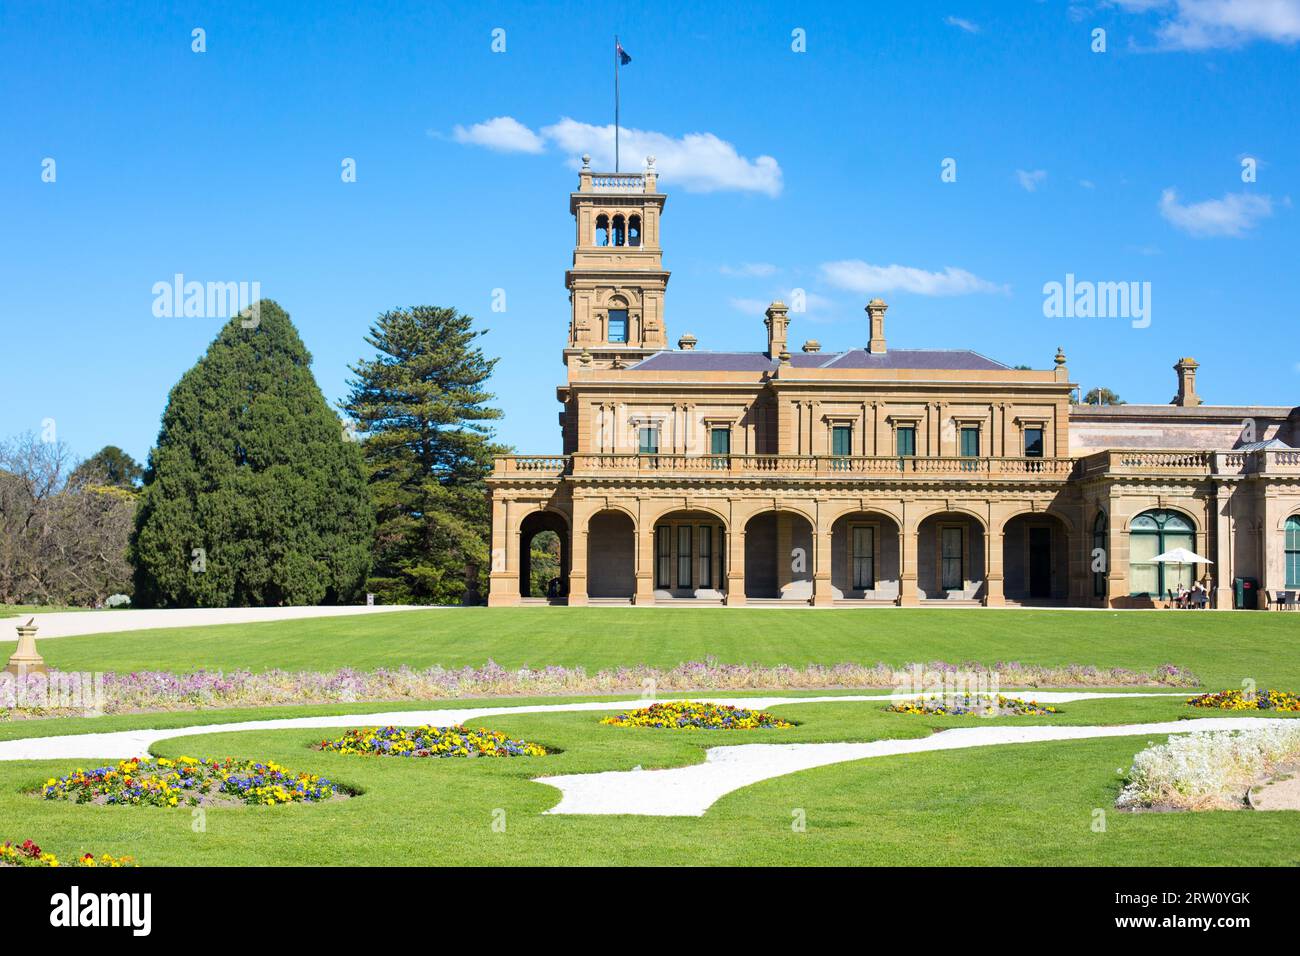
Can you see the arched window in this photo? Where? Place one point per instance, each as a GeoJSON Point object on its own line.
{"type": "Point", "coordinates": [1153, 533]}
{"type": "Point", "coordinates": [1100, 558]}
{"type": "Point", "coordinates": [602, 230]}
{"type": "Point", "coordinates": [1293, 552]}
{"type": "Point", "coordinates": [620, 231]}
{"type": "Point", "coordinates": [634, 231]}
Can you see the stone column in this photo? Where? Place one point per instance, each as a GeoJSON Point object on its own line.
{"type": "Point", "coordinates": [582, 511]}
{"type": "Point", "coordinates": [908, 551]}
{"type": "Point", "coordinates": [1223, 531]}
{"type": "Point", "coordinates": [645, 564]}
{"type": "Point", "coordinates": [736, 567]}
{"type": "Point", "coordinates": [993, 596]}
{"type": "Point", "coordinates": [503, 579]}
{"type": "Point", "coordinates": [822, 594]}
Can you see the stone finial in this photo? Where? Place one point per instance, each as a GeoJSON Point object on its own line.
{"type": "Point", "coordinates": [25, 659]}
{"type": "Point", "coordinates": [584, 358]}
{"type": "Point", "coordinates": [1186, 368]}
{"type": "Point", "coordinates": [586, 161]}
{"type": "Point", "coordinates": [777, 323]}
{"type": "Point", "coordinates": [650, 161]}
{"type": "Point", "coordinates": [687, 342]}
{"type": "Point", "coordinates": [876, 309]}
{"type": "Point", "coordinates": [785, 358]}
{"type": "Point", "coordinates": [1060, 356]}
{"type": "Point", "coordinates": [812, 345]}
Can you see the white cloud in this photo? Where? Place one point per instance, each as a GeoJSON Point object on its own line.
{"type": "Point", "coordinates": [1217, 24]}
{"type": "Point", "coordinates": [867, 279]}
{"type": "Point", "coordinates": [750, 306]}
{"type": "Point", "coordinates": [505, 134]}
{"type": "Point", "coordinates": [1087, 184]}
{"type": "Point", "coordinates": [1031, 179]}
{"type": "Point", "coordinates": [1233, 215]}
{"type": "Point", "coordinates": [699, 162]}
{"type": "Point", "coordinates": [748, 270]}
{"type": "Point", "coordinates": [961, 24]}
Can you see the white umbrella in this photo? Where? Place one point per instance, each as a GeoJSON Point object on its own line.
{"type": "Point", "coordinates": [1179, 557]}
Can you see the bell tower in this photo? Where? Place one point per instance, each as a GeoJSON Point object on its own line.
{"type": "Point", "coordinates": [616, 286]}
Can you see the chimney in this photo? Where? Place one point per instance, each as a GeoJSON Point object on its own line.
{"type": "Point", "coordinates": [776, 323]}
{"type": "Point", "coordinates": [687, 342]}
{"type": "Point", "coordinates": [876, 309]}
{"type": "Point", "coordinates": [812, 345]}
{"type": "Point", "coordinates": [1186, 369]}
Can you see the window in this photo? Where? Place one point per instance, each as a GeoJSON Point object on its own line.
{"type": "Point", "coordinates": [864, 558]}
{"type": "Point", "coordinates": [1033, 443]}
{"type": "Point", "coordinates": [1153, 533]}
{"type": "Point", "coordinates": [634, 231]}
{"type": "Point", "coordinates": [907, 441]}
{"type": "Point", "coordinates": [952, 554]}
{"type": "Point", "coordinates": [684, 556]}
{"type": "Point", "coordinates": [649, 440]}
{"type": "Point", "coordinates": [706, 556]}
{"type": "Point", "coordinates": [618, 325]}
{"type": "Point", "coordinates": [664, 552]}
{"type": "Point", "coordinates": [1293, 552]}
{"type": "Point", "coordinates": [1099, 555]}
{"type": "Point", "coordinates": [970, 447]}
{"type": "Point", "coordinates": [602, 230]}
{"type": "Point", "coordinates": [620, 231]}
{"type": "Point", "coordinates": [842, 440]}
{"type": "Point", "coordinates": [720, 445]}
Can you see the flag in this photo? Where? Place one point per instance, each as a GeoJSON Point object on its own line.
{"type": "Point", "coordinates": [623, 58]}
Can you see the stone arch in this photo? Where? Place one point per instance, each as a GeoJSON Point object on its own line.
{"type": "Point", "coordinates": [951, 562]}
{"type": "Point", "coordinates": [611, 553]}
{"type": "Point", "coordinates": [866, 560]}
{"type": "Point", "coordinates": [689, 553]}
{"type": "Point", "coordinates": [530, 526]}
{"type": "Point", "coordinates": [780, 548]}
{"type": "Point", "coordinates": [1036, 557]}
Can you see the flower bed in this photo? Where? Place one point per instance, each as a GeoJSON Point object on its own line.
{"type": "Point", "coordinates": [1207, 770]}
{"type": "Point", "coordinates": [29, 854]}
{"type": "Point", "coordinates": [150, 691]}
{"type": "Point", "coordinates": [693, 715]}
{"type": "Point", "coordinates": [171, 783]}
{"type": "Point", "coordinates": [429, 741]}
{"type": "Point", "coordinates": [972, 705]}
{"type": "Point", "coordinates": [1239, 700]}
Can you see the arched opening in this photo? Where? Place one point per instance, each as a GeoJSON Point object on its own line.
{"type": "Point", "coordinates": [1036, 559]}
{"type": "Point", "coordinates": [611, 555]}
{"type": "Point", "coordinates": [1155, 532]}
{"type": "Point", "coordinates": [602, 230]}
{"type": "Point", "coordinates": [779, 556]}
{"type": "Point", "coordinates": [1292, 551]}
{"type": "Point", "coordinates": [1100, 556]}
{"type": "Point", "coordinates": [865, 557]}
{"type": "Point", "coordinates": [620, 230]}
{"type": "Point", "coordinates": [690, 549]}
{"type": "Point", "coordinates": [950, 563]}
{"type": "Point", "coordinates": [634, 231]}
{"type": "Point", "coordinates": [544, 556]}
{"type": "Point", "coordinates": [616, 320]}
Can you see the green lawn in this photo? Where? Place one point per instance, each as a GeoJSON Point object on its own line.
{"type": "Point", "coordinates": [1018, 804]}
{"type": "Point", "coordinates": [1026, 804]}
{"type": "Point", "coordinates": [1221, 648]}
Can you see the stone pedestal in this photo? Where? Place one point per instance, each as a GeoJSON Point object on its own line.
{"type": "Point", "coordinates": [25, 660]}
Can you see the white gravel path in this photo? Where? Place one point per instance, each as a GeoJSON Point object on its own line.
{"type": "Point", "coordinates": [75, 623]}
{"type": "Point", "coordinates": [123, 744]}
{"type": "Point", "coordinates": [689, 791]}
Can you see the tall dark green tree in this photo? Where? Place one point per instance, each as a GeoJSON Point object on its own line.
{"type": "Point", "coordinates": [255, 495]}
{"type": "Point", "coordinates": [421, 406]}
{"type": "Point", "coordinates": [109, 466]}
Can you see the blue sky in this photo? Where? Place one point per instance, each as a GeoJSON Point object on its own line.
{"type": "Point", "coordinates": [818, 170]}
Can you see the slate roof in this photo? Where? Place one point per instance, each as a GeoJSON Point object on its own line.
{"type": "Point", "coordinates": [701, 361]}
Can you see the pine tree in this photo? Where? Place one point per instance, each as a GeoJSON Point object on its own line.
{"type": "Point", "coordinates": [253, 496]}
{"type": "Point", "coordinates": [420, 406]}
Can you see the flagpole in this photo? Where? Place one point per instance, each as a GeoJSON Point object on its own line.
{"type": "Point", "coordinates": [616, 59]}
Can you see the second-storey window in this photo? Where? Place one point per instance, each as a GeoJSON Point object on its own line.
{"type": "Point", "coordinates": [1033, 443]}
{"type": "Point", "coordinates": [906, 442]}
{"type": "Point", "coordinates": [842, 440]}
{"type": "Point", "coordinates": [649, 443]}
{"type": "Point", "coordinates": [970, 442]}
{"type": "Point", "coordinates": [618, 325]}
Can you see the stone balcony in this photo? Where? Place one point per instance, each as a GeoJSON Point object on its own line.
{"type": "Point", "coordinates": [624, 465]}
{"type": "Point", "coordinates": [1189, 464]}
